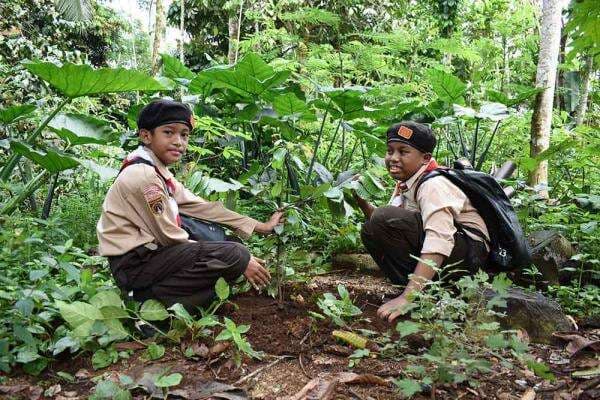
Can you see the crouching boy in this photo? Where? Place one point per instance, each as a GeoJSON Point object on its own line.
{"type": "Point", "coordinates": [430, 219]}
{"type": "Point", "coordinates": [140, 229]}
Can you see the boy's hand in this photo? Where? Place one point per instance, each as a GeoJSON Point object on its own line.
{"type": "Point", "coordinates": [256, 273]}
{"type": "Point", "coordinates": [267, 227]}
{"type": "Point", "coordinates": [366, 207]}
{"type": "Point", "coordinates": [393, 308]}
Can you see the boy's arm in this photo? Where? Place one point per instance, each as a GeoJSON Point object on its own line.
{"type": "Point", "coordinates": [366, 207]}
{"type": "Point", "coordinates": [213, 211]}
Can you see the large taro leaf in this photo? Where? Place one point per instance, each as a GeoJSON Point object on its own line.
{"type": "Point", "coordinates": [449, 88]}
{"type": "Point", "coordinates": [175, 69]}
{"type": "Point", "coordinates": [81, 129]}
{"type": "Point", "coordinates": [78, 313]}
{"type": "Point", "coordinates": [250, 78]}
{"type": "Point", "coordinates": [289, 104]}
{"type": "Point", "coordinates": [74, 80]}
{"type": "Point", "coordinates": [15, 113]}
{"type": "Point", "coordinates": [493, 111]}
{"type": "Point", "coordinates": [50, 160]}
{"type": "Point", "coordinates": [349, 103]}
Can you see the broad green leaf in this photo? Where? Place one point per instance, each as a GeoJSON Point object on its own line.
{"type": "Point", "coordinates": [81, 129]}
{"type": "Point", "coordinates": [173, 68]}
{"type": "Point", "coordinates": [78, 312]}
{"type": "Point", "coordinates": [449, 88]}
{"type": "Point", "coordinates": [493, 111]}
{"type": "Point", "coordinates": [252, 65]}
{"type": "Point", "coordinates": [116, 329]}
{"type": "Point", "coordinates": [104, 173]}
{"type": "Point", "coordinates": [155, 351]}
{"type": "Point", "coordinates": [113, 312]}
{"type": "Point", "coordinates": [15, 113]}
{"type": "Point", "coordinates": [349, 103]}
{"type": "Point", "coordinates": [222, 289]}
{"type": "Point", "coordinates": [168, 380]}
{"type": "Point", "coordinates": [153, 310]}
{"type": "Point", "coordinates": [64, 343]}
{"type": "Point", "coordinates": [541, 370]}
{"type": "Point", "coordinates": [83, 330]}
{"type": "Point", "coordinates": [461, 111]}
{"type": "Point", "coordinates": [82, 80]}
{"type": "Point", "coordinates": [405, 328]}
{"type": "Point", "coordinates": [106, 298]}
{"type": "Point", "coordinates": [289, 104]}
{"type": "Point", "coordinates": [181, 313]}
{"type": "Point", "coordinates": [50, 160]}
{"type": "Point", "coordinates": [102, 359]}
{"type": "Point", "coordinates": [408, 387]}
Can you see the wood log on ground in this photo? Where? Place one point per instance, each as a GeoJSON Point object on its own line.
{"type": "Point", "coordinates": [550, 250]}
{"type": "Point", "coordinates": [354, 262]}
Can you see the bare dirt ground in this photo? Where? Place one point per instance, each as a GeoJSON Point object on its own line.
{"type": "Point", "coordinates": [300, 351]}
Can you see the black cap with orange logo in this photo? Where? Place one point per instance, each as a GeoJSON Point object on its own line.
{"type": "Point", "coordinates": [419, 136]}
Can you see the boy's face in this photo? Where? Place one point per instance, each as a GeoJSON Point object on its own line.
{"type": "Point", "coordinates": [403, 161]}
{"type": "Point", "coordinates": [168, 142]}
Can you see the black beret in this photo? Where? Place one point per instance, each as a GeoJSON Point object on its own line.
{"type": "Point", "coordinates": [162, 112]}
{"type": "Point", "coordinates": [419, 136]}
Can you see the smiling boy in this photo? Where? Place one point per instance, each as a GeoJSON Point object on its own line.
{"type": "Point", "coordinates": [436, 223]}
{"type": "Point", "coordinates": [140, 229]}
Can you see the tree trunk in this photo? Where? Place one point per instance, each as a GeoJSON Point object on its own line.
{"type": "Point", "coordinates": [541, 119]}
{"type": "Point", "coordinates": [181, 29]}
{"type": "Point", "coordinates": [586, 75]}
{"type": "Point", "coordinates": [559, 97]}
{"type": "Point", "coordinates": [159, 28]}
{"type": "Point", "coordinates": [234, 23]}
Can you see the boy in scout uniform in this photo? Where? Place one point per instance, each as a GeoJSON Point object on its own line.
{"type": "Point", "coordinates": [436, 223]}
{"type": "Point", "coordinates": [140, 228]}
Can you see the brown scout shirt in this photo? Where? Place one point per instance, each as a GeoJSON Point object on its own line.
{"type": "Point", "coordinates": [440, 203]}
{"type": "Point", "coordinates": [138, 210]}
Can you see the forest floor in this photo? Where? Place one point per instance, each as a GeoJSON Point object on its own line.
{"type": "Point", "coordinates": [300, 353]}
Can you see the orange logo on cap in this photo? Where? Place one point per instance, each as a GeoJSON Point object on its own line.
{"type": "Point", "coordinates": [405, 132]}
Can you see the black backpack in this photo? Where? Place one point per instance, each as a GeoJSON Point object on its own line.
{"type": "Point", "coordinates": [508, 247]}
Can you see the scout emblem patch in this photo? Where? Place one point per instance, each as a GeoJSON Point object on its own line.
{"type": "Point", "coordinates": [405, 132]}
{"type": "Point", "coordinates": [155, 198]}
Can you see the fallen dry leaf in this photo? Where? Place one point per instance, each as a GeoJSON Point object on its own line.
{"type": "Point", "coordinates": [529, 394]}
{"type": "Point", "coordinates": [201, 350]}
{"type": "Point", "coordinates": [53, 390]}
{"type": "Point", "coordinates": [319, 388]}
{"type": "Point", "coordinates": [369, 379]}
{"type": "Point", "coordinates": [83, 374]}
{"type": "Point", "coordinates": [129, 346]}
{"type": "Point", "coordinates": [218, 348]}
{"type": "Point", "coordinates": [577, 342]}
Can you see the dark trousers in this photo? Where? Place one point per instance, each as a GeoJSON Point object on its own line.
{"type": "Point", "coordinates": [393, 234]}
{"type": "Point", "coordinates": [185, 273]}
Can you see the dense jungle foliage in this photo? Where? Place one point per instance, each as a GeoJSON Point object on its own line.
{"type": "Point", "coordinates": [302, 108]}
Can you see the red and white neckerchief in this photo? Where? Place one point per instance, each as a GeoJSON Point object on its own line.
{"type": "Point", "coordinates": [397, 199]}
{"type": "Point", "coordinates": [144, 153]}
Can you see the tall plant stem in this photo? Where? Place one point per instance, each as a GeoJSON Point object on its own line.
{"type": "Point", "coordinates": [25, 171]}
{"type": "Point", "coordinates": [318, 142]}
{"type": "Point", "coordinates": [33, 185]}
{"type": "Point", "coordinates": [14, 159]}
{"type": "Point", "coordinates": [474, 147]}
{"type": "Point", "coordinates": [50, 196]}
{"type": "Point", "coordinates": [364, 156]}
{"type": "Point", "coordinates": [465, 152]}
{"type": "Point", "coordinates": [331, 143]}
{"type": "Point", "coordinates": [487, 148]}
{"type": "Point", "coordinates": [351, 155]}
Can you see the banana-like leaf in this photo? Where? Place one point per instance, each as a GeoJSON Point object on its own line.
{"type": "Point", "coordinates": [50, 160]}
{"type": "Point", "coordinates": [15, 113]}
{"type": "Point", "coordinates": [81, 129]}
{"type": "Point", "coordinates": [175, 69]}
{"type": "Point", "coordinates": [448, 87]}
{"type": "Point", "coordinates": [75, 80]}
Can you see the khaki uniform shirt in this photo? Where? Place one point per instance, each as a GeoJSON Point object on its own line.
{"type": "Point", "coordinates": [138, 210]}
{"type": "Point", "coordinates": [440, 203]}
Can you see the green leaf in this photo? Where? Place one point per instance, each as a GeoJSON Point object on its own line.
{"type": "Point", "coordinates": [81, 129]}
{"type": "Point", "coordinates": [78, 313]}
{"type": "Point", "coordinates": [405, 328]}
{"type": "Point", "coordinates": [173, 68]}
{"type": "Point", "coordinates": [448, 87]}
{"type": "Point", "coordinates": [222, 289]}
{"type": "Point", "coordinates": [541, 370]}
{"type": "Point", "coordinates": [112, 312]}
{"type": "Point", "coordinates": [155, 351]}
{"type": "Point", "coordinates": [496, 341]}
{"type": "Point", "coordinates": [182, 314]}
{"type": "Point", "coordinates": [50, 160]}
{"type": "Point", "coordinates": [104, 173]}
{"type": "Point", "coordinates": [408, 387]}
{"type": "Point", "coordinates": [81, 80]}
{"type": "Point", "coordinates": [168, 380]}
{"type": "Point", "coordinates": [153, 310]}
{"type": "Point", "coordinates": [106, 298]}
{"type": "Point", "coordinates": [349, 102]}
{"type": "Point", "coordinates": [289, 104]}
{"type": "Point", "coordinates": [15, 113]}
{"type": "Point", "coordinates": [101, 359]}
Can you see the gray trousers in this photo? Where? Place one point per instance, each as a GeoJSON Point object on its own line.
{"type": "Point", "coordinates": [185, 273]}
{"type": "Point", "coordinates": [393, 234]}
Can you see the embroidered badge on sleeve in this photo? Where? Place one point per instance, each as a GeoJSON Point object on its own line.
{"type": "Point", "coordinates": [155, 198]}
